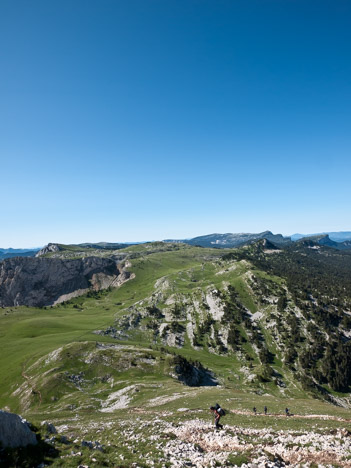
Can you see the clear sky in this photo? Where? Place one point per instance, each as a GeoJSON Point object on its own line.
{"type": "Point", "coordinates": [151, 119]}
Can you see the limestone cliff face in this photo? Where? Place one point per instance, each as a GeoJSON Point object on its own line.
{"type": "Point", "coordinates": [44, 281]}
{"type": "Point", "coordinates": [48, 249]}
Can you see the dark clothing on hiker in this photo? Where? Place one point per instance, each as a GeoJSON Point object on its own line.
{"type": "Point", "coordinates": [217, 418]}
{"type": "Point", "coordinates": [265, 410]}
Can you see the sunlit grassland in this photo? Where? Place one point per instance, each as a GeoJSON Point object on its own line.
{"type": "Point", "coordinates": [26, 334]}
{"type": "Point", "coordinates": [29, 333]}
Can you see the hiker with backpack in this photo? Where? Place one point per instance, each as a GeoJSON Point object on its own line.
{"type": "Point", "coordinates": [217, 412]}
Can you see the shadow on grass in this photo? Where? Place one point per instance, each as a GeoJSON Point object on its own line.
{"type": "Point", "coordinates": [30, 456]}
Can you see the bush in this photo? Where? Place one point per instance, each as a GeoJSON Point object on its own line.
{"type": "Point", "coordinates": [238, 459]}
{"type": "Point", "coordinates": [264, 373]}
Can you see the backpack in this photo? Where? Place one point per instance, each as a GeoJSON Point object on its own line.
{"type": "Point", "coordinates": [219, 410]}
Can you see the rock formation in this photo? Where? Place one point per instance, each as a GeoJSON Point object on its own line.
{"type": "Point", "coordinates": [14, 431]}
{"type": "Point", "coordinates": [48, 249]}
{"type": "Point", "coordinates": [39, 282]}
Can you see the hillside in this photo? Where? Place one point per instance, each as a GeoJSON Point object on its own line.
{"type": "Point", "coordinates": [253, 326]}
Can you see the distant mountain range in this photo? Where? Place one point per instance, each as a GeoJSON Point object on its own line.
{"type": "Point", "coordinates": [335, 236]}
{"type": "Point", "coordinates": [325, 241]}
{"type": "Point", "coordinates": [337, 240]}
{"type": "Point", "coordinates": [239, 240]}
{"type": "Point", "coordinates": [230, 240]}
{"type": "Point", "coordinates": [9, 253]}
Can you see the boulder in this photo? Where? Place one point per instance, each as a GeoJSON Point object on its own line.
{"type": "Point", "coordinates": [14, 431]}
{"type": "Point", "coordinates": [49, 427]}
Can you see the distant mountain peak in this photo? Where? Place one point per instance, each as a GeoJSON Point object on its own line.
{"type": "Point", "coordinates": [339, 236]}
{"type": "Point", "coordinates": [231, 240]}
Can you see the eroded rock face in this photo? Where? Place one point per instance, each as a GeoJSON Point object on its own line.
{"type": "Point", "coordinates": [38, 282]}
{"type": "Point", "coordinates": [14, 431]}
{"type": "Point", "coordinates": [48, 249]}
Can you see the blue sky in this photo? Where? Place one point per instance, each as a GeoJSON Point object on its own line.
{"type": "Point", "coordinates": [139, 120]}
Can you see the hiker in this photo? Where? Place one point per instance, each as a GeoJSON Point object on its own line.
{"type": "Point", "coordinates": [287, 412]}
{"type": "Point", "coordinates": [217, 412]}
{"type": "Point", "coordinates": [254, 410]}
{"type": "Point", "coordinates": [265, 410]}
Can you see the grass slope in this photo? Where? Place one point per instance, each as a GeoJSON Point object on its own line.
{"type": "Point", "coordinates": [54, 366]}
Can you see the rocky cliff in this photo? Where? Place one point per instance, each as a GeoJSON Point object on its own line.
{"type": "Point", "coordinates": [44, 281]}
{"type": "Point", "coordinates": [48, 249]}
{"type": "Point", "coordinates": [14, 431]}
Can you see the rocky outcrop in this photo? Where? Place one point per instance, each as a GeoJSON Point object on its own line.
{"type": "Point", "coordinates": [49, 427]}
{"type": "Point", "coordinates": [192, 373]}
{"type": "Point", "coordinates": [38, 282]}
{"type": "Point", "coordinates": [48, 249]}
{"type": "Point", "coordinates": [14, 431]}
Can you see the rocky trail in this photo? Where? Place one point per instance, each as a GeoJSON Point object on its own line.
{"type": "Point", "coordinates": [269, 448]}
{"type": "Point", "coordinates": [323, 417]}
{"type": "Point", "coordinates": [196, 443]}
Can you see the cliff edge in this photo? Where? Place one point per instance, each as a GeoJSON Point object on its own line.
{"type": "Point", "coordinates": [39, 282]}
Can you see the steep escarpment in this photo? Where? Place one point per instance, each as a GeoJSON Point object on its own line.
{"type": "Point", "coordinates": [39, 282]}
